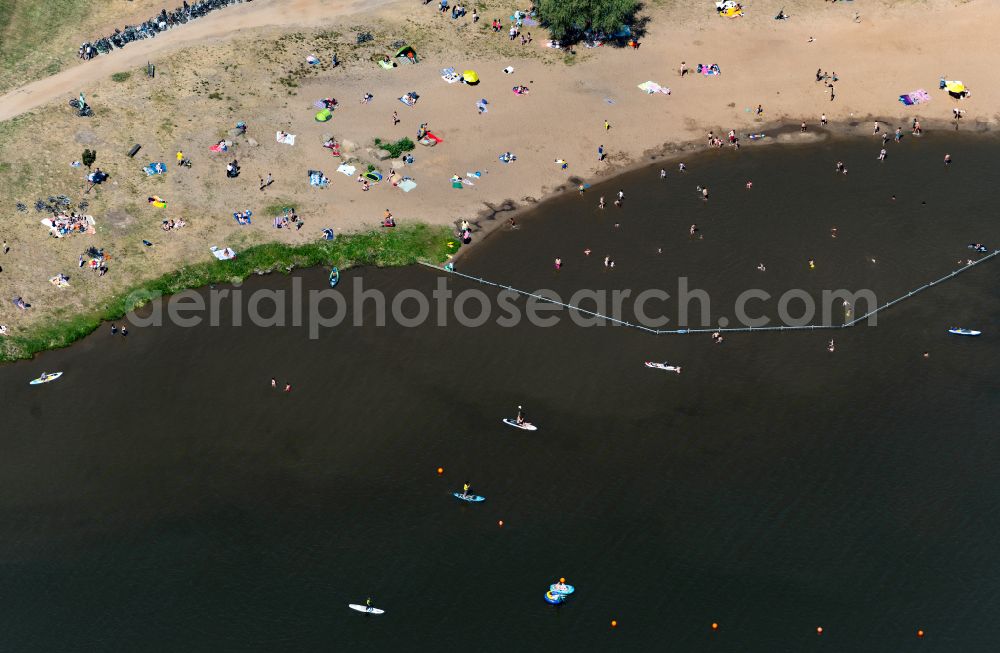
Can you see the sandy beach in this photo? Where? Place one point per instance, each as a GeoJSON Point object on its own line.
{"type": "Point", "coordinates": [248, 65]}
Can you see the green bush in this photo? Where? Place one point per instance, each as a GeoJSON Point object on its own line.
{"type": "Point", "coordinates": [566, 20]}
{"type": "Point", "coordinates": [121, 77]}
{"type": "Point", "coordinates": [395, 149]}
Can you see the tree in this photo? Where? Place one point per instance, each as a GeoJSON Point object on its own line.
{"type": "Point", "coordinates": [88, 158]}
{"type": "Point", "coordinates": [567, 18]}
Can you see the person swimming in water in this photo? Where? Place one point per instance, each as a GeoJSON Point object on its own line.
{"type": "Point", "coordinates": [761, 267]}
{"type": "Point", "coordinates": [600, 203]}
{"type": "Point", "coordinates": [830, 347]}
{"type": "Point", "coordinates": [558, 263]}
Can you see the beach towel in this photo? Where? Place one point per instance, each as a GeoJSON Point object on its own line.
{"type": "Point", "coordinates": [317, 178]}
{"type": "Point", "coordinates": [705, 69]}
{"type": "Point", "coordinates": [287, 139]}
{"type": "Point", "coordinates": [474, 175]}
{"type": "Point", "coordinates": [312, 60]}
{"type": "Point", "coordinates": [652, 87]}
{"type": "Point", "coordinates": [431, 139]}
{"type": "Point", "coordinates": [155, 169]}
{"type": "Point", "coordinates": [59, 282]}
{"type": "Point", "coordinates": [406, 185]}
{"type": "Point", "coordinates": [449, 75]}
{"type": "Point", "coordinates": [157, 201]}
{"type": "Point", "coordinates": [409, 99]}
{"type": "Point", "coordinates": [508, 70]}
{"type": "Point", "coordinates": [219, 147]}
{"type": "Point", "coordinates": [915, 97]}
{"type": "Point", "coordinates": [345, 169]}
{"type": "Point", "coordinates": [223, 254]}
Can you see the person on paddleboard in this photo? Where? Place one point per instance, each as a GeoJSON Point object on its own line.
{"type": "Point", "coordinates": [465, 489]}
{"type": "Point", "coordinates": [368, 604]}
{"type": "Point", "coordinates": [520, 416]}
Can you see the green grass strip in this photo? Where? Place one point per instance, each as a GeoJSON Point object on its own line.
{"type": "Point", "coordinates": [401, 246]}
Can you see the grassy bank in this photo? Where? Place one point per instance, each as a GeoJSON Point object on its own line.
{"type": "Point", "coordinates": [382, 248]}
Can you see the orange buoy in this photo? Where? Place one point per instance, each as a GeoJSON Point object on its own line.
{"type": "Point", "coordinates": [819, 630]}
{"type": "Point", "coordinates": [614, 624]}
{"type": "Point", "coordinates": [440, 470]}
{"type": "Point", "coordinates": [562, 580]}
{"type": "Point", "coordinates": [920, 633]}
{"type": "Point", "coordinates": [715, 626]}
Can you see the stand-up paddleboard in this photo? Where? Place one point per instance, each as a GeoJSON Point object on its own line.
{"type": "Point", "coordinates": [334, 277]}
{"type": "Point", "coordinates": [663, 366]}
{"type": "Point", "coordinates": [561, 588]}
{"type": "Point", "coordinates": [471, 498]}
{"type": "Point", "coordinates": [526, 426]}
{"type": "Point", "coordinates": [365, 608]}
{"type": "Point", "coordinates": [957, 331]}
{"type": "Point", "coordinates": [45, 378]}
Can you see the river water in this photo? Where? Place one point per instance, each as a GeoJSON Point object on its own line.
{"type": "Point", "coordinates": [162, 496]}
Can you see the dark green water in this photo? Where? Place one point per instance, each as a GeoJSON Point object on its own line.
{"type": "Point", "coordinates": [161, 496]}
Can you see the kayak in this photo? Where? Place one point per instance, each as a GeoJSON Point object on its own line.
{"type": "Point", "coordinates": [45, 378]}
{"type": "Point", "coordinates": [957, 331]}
{"type": "Point", "coordinates": [553, 598]}
{"type": "Point", "coordinates": [471, 498]}
{"type": "Point", "coordinates": [524, 426]}
{"type": "Point", "coordinates": [663, 366]}
{"type": "Point", "coordinates": [365, 608]}
{"type": "Point", "coordinates": [334, 277]}
{"type": "Point", "coordinates": [561, 588]}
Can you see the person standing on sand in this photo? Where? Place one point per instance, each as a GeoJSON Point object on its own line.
{"type": "Point", "coordinates": [684, 68]}
{"type": "Point", "coordinates": [607, 126]}
{"type": "Point", "coordinates": [760, 109]}
{"type": "Point", "coordinates": [600, 152]}
{"type": "Point", "coordinates": [395, 118]}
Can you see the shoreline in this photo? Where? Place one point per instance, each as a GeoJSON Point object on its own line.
{"type": "Point", "coordinates": [398, 247]}
{"type": "Point", "coordinates": [784, 134]}
{"type": "Point", "coordinates": [268, 258]}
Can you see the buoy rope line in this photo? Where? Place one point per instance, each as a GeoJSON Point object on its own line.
{"type": "Point", "coordinates": [808, 327]}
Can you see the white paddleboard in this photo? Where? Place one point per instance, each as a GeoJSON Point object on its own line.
{"type": "Point", "coordinates": [471, 498]}
{"type": "Point", "coordinates": [956, 331]}
{"type": "Point", "coordinates": [663, 366]}
{"type": "Point", "coordinates": [45, 378]}
{"type": "Point", "coordinates": [524, 426]}
{"type": "Point", "coordinates": [365, 608]}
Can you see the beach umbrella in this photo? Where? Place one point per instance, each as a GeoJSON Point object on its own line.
{"type": "Point", "coordinates": [955, 87]}
{"type": "Point", "coordinates": [470, 77]}
{"type": "Point", "coordinates": [324, 115]}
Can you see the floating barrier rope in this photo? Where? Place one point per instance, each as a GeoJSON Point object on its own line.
{"type": "Point", "coordinates": [808, 327]}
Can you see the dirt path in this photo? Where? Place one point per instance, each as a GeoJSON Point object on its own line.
{"type": "Point", "coordinates": [219, 25]}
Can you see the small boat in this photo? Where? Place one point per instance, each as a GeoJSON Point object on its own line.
{"type": "Point", "coordinates": [964, 332]}
{"type": "Point", "coordinates": [334, 277]}
{"type": "Point", "coordinates": [471, 498]}
{"type": "Point", "coordinates": [45, 378]}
